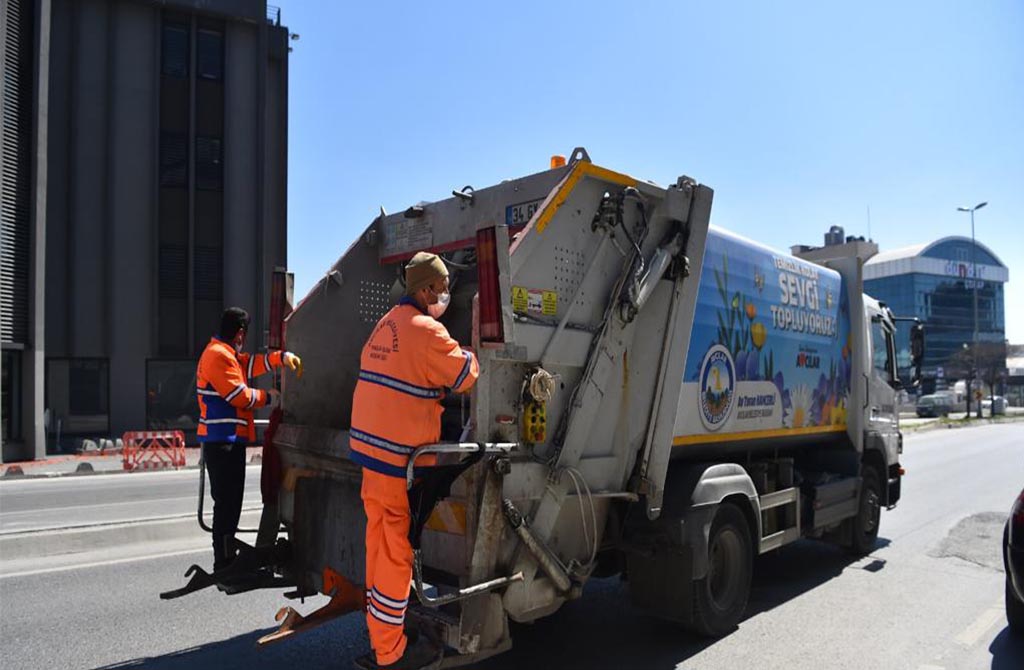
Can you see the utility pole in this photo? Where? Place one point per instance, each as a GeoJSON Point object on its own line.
{"type": "Point", "coordinates": [974, 283]}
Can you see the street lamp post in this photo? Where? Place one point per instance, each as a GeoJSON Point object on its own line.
{"type": "Point", "coordinates": [974, 282]}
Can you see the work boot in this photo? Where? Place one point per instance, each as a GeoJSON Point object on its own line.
{"type": "Point", "coordinates": [420, 654]}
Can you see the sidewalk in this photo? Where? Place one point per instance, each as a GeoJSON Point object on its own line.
{"type": "Point", "coordinates": [98, 463]}
{"type": "Point", "coordinates": [911, 423]}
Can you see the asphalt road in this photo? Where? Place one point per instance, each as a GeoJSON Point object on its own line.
{"type": "Point", "coordinates": [929, 597]}
{"type": "Point", "coordinates": [61, 502]}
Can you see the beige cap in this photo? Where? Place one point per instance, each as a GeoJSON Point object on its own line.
{"type": "Point", "coordinates": [423, 269]}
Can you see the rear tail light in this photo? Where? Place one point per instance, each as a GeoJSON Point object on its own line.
{"type": "Point", "coordinates": [490, 294]}
{"type": "Point", "coordinates": [282, 288]}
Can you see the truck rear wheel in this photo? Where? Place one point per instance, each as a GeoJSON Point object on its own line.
{"type": "Point", "coordinates": [720, 598]}
{"type": "Point", "coordinates": [869, 512]}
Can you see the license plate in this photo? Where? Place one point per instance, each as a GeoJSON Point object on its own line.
{"type": "Point", "coordinates": [520, 215]}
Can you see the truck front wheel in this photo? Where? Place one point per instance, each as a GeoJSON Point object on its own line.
{"type": "Point", "coordinates": [720, 598]}
{"type": "Point", "coordinates": [869, 512]}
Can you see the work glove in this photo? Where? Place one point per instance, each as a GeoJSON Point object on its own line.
{"type": "Point", "coordinates": [273, 399]}
{"type": "Point", "coordinates": [293, 362]}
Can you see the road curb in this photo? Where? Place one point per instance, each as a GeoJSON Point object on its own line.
{"type": "Point", "coordinates": [90, 464]}
{"type": "Point", "coordinates": [938, 424]}
{"type": "Point", "coordinates": [81, 539]}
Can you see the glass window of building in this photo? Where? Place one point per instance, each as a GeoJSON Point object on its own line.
{"type": "Point", "coordinates": [10, 369]}
{"type": "Point", "coordinates": [174, 50]}
{"type": "Point", "coordinates": [173, 159]}
{"type": "Point", "coordinates": [78, 397]}
{"type": "Point", "coordinates": [209, 54]}
{"type": "Point", "coordinates": [209, 175]}
{"type": "Point", "coordinates": [171, 395]}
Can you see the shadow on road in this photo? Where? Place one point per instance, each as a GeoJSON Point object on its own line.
{"type": "Point", "coordinates": [600, 630]}
{"type": "Point", "coordinates": [800, 567]}
{"type": "Point", "coordinates": [334, 645]}
{"type": "Point", "coordinates": [1007, 651]}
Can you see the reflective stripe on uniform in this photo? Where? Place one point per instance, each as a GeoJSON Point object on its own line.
{"type": "Point", "coordinates": [210, 422]}
{"type": "Point", "coordinates": [389, 602]}
{"type": "Point", "coordinates": [238, 389]}
{"type": "Point", "coordinates": [399, 385]}
{"type": "Point", "coordinates": [381, 443]}
{"type": "Point", "coordinates": [207, 392]}
{"type": "Point", "coordinates": [248, 372]}
{"type": "Point", "coordinates": [377, 465]}
{"type": "Point", "coordinates": [386, 618]}
{"type": "Point", "coordinates": [465, 369]}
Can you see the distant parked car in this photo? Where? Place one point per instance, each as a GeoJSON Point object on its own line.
{"type": "Point", "coordinates": [934, 405]}
{"type": "Point", "coordinates": [995, 405]}
{"type": "Point", "coordinates": [1013, 561]}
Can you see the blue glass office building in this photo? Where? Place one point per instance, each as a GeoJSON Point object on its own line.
{"type": "Point", "coordinates": [935, 282]}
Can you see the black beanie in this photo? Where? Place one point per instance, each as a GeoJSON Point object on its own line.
{"type": "Point", "coordinates": [233, 320]}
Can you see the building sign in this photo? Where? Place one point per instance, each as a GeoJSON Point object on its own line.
{"type": "Point", "coordinates": [964, 270]}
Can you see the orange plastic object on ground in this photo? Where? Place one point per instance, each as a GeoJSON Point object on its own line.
{"type": "Point", "coordinates": [151, 450]}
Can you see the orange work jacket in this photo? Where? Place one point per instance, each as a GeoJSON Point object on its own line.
{"type": "Point", "coordinates": [226, 401]}
{"type": "Point", "coordinates": [404, 368]}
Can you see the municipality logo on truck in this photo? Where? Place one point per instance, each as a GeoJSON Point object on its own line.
{"type": "Point", "coordinates": [717, 382]}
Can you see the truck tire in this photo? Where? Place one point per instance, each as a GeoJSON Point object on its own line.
{"type": "Point", "coordinates": [720, 598]}
{"type": "Point", "coordinates": [864, 534]}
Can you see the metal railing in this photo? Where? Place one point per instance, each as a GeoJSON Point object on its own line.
{"type": "Point", "coordinates": [463, 448]}
{"type": "Point", "coordinates": [273, 15]}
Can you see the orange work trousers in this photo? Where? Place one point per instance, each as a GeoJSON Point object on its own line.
{"type": "Point", "coordinates": [388, 563]}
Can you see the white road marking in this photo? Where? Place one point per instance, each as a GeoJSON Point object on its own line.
{"type": "Point", "coordinates": [70, 480]}
{"type": "Point", "coordinates": [970, 635]}
{"type": "Point", "coordinates": [99, 564]}
{"type": "Point", "coordinates": [136, 503]}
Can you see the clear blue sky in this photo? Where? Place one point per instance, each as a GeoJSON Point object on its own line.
{"type": "Point", "coordinates": [799, 114]}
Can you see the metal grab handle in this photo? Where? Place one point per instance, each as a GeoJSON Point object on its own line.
{"type": "Point", "coordinates": [461, 594]}
{"type": "Point", "coordinates": [465, 448]}
{"type": "Point", "coordinates": [202, 497]}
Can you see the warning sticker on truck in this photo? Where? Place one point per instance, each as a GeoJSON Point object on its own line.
{"type": "Point", "coordinates": [405, 235]}
{"type": "Point", "coordinates": [538, 302]}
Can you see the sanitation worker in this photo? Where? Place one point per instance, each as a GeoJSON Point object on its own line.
{"type": "Point", "coordinates": [405, 366]}
{"type": "Point", "coordinates": [226, 404]}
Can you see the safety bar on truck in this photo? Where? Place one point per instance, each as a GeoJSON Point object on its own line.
{"type": "Point", "coordinates": [464, 448]}
{"type": "Point", "coordinates": [461, 594]}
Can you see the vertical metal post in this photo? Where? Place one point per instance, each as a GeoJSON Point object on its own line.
{"type": "Point", "coordinates": [974, 282]}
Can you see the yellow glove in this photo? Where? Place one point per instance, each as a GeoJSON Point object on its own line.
{"type": "Point", "coordinates": [294, 362]}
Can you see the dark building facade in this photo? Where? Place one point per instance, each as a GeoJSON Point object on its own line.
{"type": "Point", "coordinates": [146, 178]}
{"type": "Point", "coordinates": [936, 283]}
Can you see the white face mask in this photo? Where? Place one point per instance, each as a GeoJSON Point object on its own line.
{"type": "Point", "coordinates": [439, 307]}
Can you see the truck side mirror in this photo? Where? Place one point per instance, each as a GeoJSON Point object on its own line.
{"type": "Point", "coordinates": [917, 350]}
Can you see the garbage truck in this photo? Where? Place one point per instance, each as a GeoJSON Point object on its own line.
{"type": "Point", "coordinates": [658, 398]}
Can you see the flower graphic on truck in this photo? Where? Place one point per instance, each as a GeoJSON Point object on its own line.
{"type": "Point", "coordinates": [739, 329]}
{"type": "Point", "coordinates": [797, 339]}
{"type": "Point", "coordinates": [800, 410]}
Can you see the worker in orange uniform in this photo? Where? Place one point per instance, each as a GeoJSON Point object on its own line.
{"type": "Point", "coordinates": [226, 404]}
{"type": "Point", "coordinates": [405, 366]}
